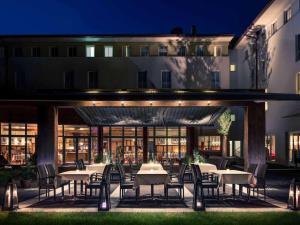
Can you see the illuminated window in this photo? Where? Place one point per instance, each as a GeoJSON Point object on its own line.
{"type": "Point", "coordinates": [108, 51]}
{"type": "Point", "coordinates": [126, 51]}
{"type": "Point", "coordinates": [163, 50]}
{"type": "Point", "coordinates": [287, 15]}
{"type": "Point", "coordinates": [217, 51]}
{"type": "Point", "coordinates": [232, 68]}
{"type": "Point", "coordinates": [90, 51]}
{"type": "Point", "coordinates": [209, 143]}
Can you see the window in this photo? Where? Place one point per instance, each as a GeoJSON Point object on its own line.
{"type": "Point", "coordinates": [126, 51]}
{"type": "Point", "coordinates": [274, 28]}
{"type": "Point", "coordinates": [232, 68]}
{"type": "Point", "coordinates": [92, 79]}
{"type": "Point", "coordinates": [215, 80]}
{"type": "Point", "coordinates": [90, 51]}
{"type": "Point", "coordinates": [163, 51]}
{"type": "Point", "coordinates": [36, 52]}
{"type": "Point", "coordinates": [209, 143]}
{"type": "Point", "coordinates": [297, 47]}
{"type": "Point", "coordinates": [298, 83]}
{"type": "Point", "coordinates": [181, 51]}
{"type": "Point", "coordinates": [72, 51]}
{"type": "Point", "coordinates": [53, 51]}
{"type": "Point", "coordinates": [142, 79]}
{"type": "Point", "coordinates": [217, 51]}
{"type": "Point", "coordinates": [144, 51]}
{"type": "Point", "coordinates": [287, 15]}
{"type": "Point", "coordinates": [199, 50]}
{"type": "Point", "coordinates": [18, 52]}
{"type": "Point", "coordinates": [2, 52]}
{"type": "Point", "coordinates": [69, 80]}
{"type": "Point", "coordinates": [108, 51]}
{"type": "Point", "coordinates": [166, 79]}
{"type": "Point", "coordinates": [20, 80]}
{"type": "Point", "coordinates": [270, 147]}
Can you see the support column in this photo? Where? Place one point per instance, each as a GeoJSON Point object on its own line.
{"type": "Point", "coordinates": [47, 135]}
{"type": "Point", "coordinates": [254, 134]}
{"type": "Point", "coordinates": [100, 142]}
{"type": "Point", "coordinates": [145, 144]}
{"type": "Point", "coordinates": [191, 141]}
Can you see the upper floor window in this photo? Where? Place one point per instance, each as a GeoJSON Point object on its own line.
{"type": "Point", "coordinates": [36, 52]}
{"type": "Point", "coordinates": [215, 80]}
{"type": "Point", "coordinates": [199, 50]}
{"type": "Point", "coordinates": [53, 51]}
{"type": "Point", "coordinates": [181, 51]}
{"type": "Point", "coordinates": [18, 52]}
{"type": "Point", "coordinates": [163, 51]}
{"type": "Point", "coordinates": [69, 80]}
{"type": "Point", "coordinates": [144, 51]}
{"type": "Point", "coordinates": [287, 15]}
{"type": "Point", "coordinates": [297, 47]}
{"type": "Point", "coordinates": [72, 51]}
{"type": "Point", "coordinates": [126, 51]}
{"type": "Point", "coordinates": [20, 80]}
{"type": "Point", "coordinates": [273, 28]}
{"type": "Point", "coordinates": [90, 51]}
{"type": "Point", "coordinates": [166, 81]}
{"type": "Point", "coordinates": [142, 79]}
{"type": "Point", "coordinates": [92, 79]}
{"type": "Point", "coordinates": [232, 67]}
{"type": "Point", "coordinates": [217, 51]}
{"type": "Point", "coordinates": [108, 51]}
{"type": "Point", "coordinates": [298, 83]}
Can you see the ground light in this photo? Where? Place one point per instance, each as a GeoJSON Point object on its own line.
{"type": "Point", "coordinates": [293, 201]}
{"type": "Point", "coordinates": [10, 201]}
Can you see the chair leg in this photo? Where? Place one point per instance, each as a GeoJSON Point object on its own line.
{"type": "Point", "coordinates": [120, 193]}
{"type": "Point", "coordinates": [218, 193]}
{"type": "Point", "coordinates": [63, 191]}
{"type": "Point", "coordinates": [85, 192]}
{"type": "Point", "coordinates": [91, 191]}
{"type": "Point", "coordinates": [249, 193]}
{"type": "Point", "coordinates": [54, 193]}
{"type": "Point", "coordinates": [224, 189]}
{"type": "Point", "coordinates": [69, 187]}
{"type": "Point", "coordinates": [183, 193]}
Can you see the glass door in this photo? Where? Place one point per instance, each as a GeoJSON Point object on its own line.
{"type": "Point", "coordinates": [70, 150]}
{"type": "Point", "coordinates": [83, 149]}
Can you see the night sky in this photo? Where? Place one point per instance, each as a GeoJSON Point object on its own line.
{"type": "Point", "coordinates": [126, 16]}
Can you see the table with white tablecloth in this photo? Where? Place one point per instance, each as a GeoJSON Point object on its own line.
{"type": "Point", "coordinates": [206, 167]}
{"type": "Point", "coordinates": [151, 166]}
{"type": "Point", "coordinates": [77, 175]}
{"type": "Point", "coordinates": [98, 167]}
{"type": "Point", "coordinates": [151, 177]}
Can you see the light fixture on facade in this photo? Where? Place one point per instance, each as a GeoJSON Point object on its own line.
{"type": "Point", "coordinates": [94, 103]}
{"type": "Point", "coordinates": [232, 68]}
{"type": "Point", "coordinates": [232, 117]}
{"type": "Point", "coordinates": [122, 103]}
{"type": "Point", "coordinates": [294, 194]}
{"type": "Point", "coordinates": [151, 103]}
{"type": "Point", "coordinates": [179, 103]}
{"type": "Point", "coordinates": [208, 103]}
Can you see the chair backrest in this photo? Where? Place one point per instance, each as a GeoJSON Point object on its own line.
{"type": "Point", "coordinates": [224, 164]}
{"type": "Point", "coordinates": [81, 164]}
{"type": "Point", "coordinates": [261, 171]}
{"type": "Point", "coordinates": [51, 170]}
{"type": "Point", "coordinates": [106, 173]}
{"type": "Point", "coordinates": [77, 164]}
{"type": "Point", "coordinates": [252, 169]}
{"type": "Point", "coordinates": [121, 170]}
{"type": "Point", "coordinates": [181, 173]}
{"type": "Point", "coordinates": [219, 163]}
{"type": "Point", "coordinates": [197, 176]}
{"type": "Point", "coordinates": [42, 172]}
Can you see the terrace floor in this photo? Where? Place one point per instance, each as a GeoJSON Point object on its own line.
{"type": "Point", "coordinates": [277, 194]}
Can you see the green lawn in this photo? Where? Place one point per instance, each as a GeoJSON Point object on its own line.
{"type": "Point", "coordinates": [149, 218]}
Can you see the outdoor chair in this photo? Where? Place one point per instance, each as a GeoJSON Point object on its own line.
{"type": "Point", "coordinates": [57, 180]}
{"type": "Point", "coordinates": [81, 164]}
{"type": "Point", "coordinates": [124, 184]}
{"type": "Point", "coordinates": [200, 184]}
{"type": "Point", "coordinates": [177, 185]}
{"type": "Point", "coordinates": [132, 171]}
{"type": "Point", "coordinates": [105, 187]}
{"type": "Point", "coordinates": [251, 169]}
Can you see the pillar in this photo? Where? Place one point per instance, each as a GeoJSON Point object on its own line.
{"type": "Point", "coordinates": [145, 144]}
{"type": "Point", "coordinates": [254, 134]}
{"type": "Point", "coordinates": [47, 135]}
{"type": "Point", "coordinates": [191, 140]}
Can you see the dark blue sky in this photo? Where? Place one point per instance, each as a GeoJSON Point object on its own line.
{"type": "Point", "coordinates": [125, 16]}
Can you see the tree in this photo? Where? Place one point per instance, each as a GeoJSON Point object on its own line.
{"type": "Point", "coordinates": [224, 124]}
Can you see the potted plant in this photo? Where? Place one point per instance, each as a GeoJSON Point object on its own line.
{"type": "Point", "coordinates": [224, 123]}
{"type": "Point", "coordinates": [198, 158]}
{"type": "Point", "coordinates": [27, 176]}
{"type": "Point", "coordinates": [98, 159]}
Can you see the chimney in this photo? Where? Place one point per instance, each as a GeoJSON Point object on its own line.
{"type": "Point", "coordinates": [194, 30]}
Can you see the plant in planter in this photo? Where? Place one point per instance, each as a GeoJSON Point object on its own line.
{"type": "Point", "coordinates": [28, 176]}
{"type": "Point", "coordinates": [224, 122]}
{"type": "Point", "coordinates": [99, 159]}
{"type": "Point", "coordinates": [198, 158]}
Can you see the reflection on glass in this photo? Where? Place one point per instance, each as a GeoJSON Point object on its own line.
{"type": "Point", "coordinates": [31, 141]}
{"type": "Point", "coordinates": [116, 131]}
{"type": "Point", "coordinates": [139, 150]}
{"type": "Point", "coordinates": [32, 129]}
{"type": "Point", "coordinates": [76, 130]}
{"type": "Point", "coordinates": [94, 149]}
{"type": "Point", "coordinates": [4, 147]}
{"type": "Point", "coordinates": [106, 147]}
{"type": "Point", "coordinates": [17, 129]}
{"type": "Point", "coordinates": [160, 131]}
{"type": "Point", "coordinates": [129, 150]}
{"type": "Point", "coordinates": [173, 132]}
{"type": "Point", "coordinates": [129, 131]}
{"type": "Point", "coordinates": [116, 149]}
{"type": "Point", "coordinates": [18, 150]}
{"type": "Point", "coordinates": [83, 149]}
{"type": "Point", "coordinates": [60, 151]}
{"type": "Point", "coordinates": [4, 128]}
{"type": "Point", "coordinates": [70, 150]}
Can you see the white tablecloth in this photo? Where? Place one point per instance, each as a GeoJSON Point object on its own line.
{"type": "Point", "coordinates": [151, 166]}
{"type": "Point", "coordinates": [148, 177]}
{"type": "Point", "coordinates": [98, 167]}
{"type": "Point", "coordinates": [206, 167]}
{"type": "Point", "coordinates": [234, 177]}
{"type": "Point", "coordinates": [77, 175]}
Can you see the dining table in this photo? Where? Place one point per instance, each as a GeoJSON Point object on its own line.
{"type": "Point", "coordinates": [206, 167]}
{"type": "Point", "coordinates": [77, 175]}
{"type": "Point", "coordinates": [151, 177]}
{"type": "Point", "coordinates": [98, 167]}
{"type": "Point", "coordinates": [234, 177]}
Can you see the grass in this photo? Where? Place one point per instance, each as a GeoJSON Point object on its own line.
{"type": "Point", "coordinates": [149, 218]}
